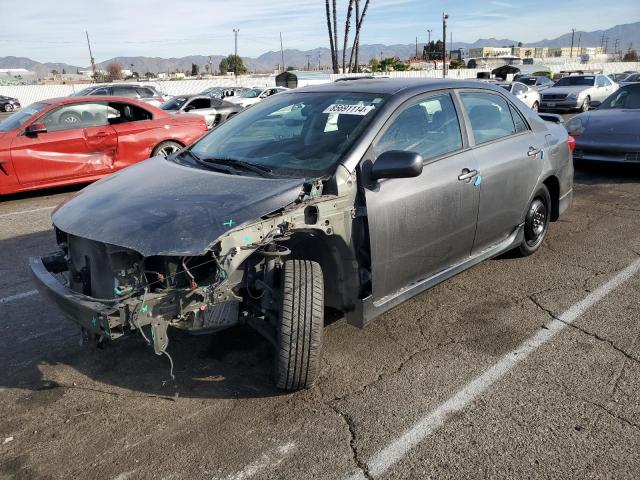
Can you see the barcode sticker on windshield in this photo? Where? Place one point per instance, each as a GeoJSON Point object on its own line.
{"type": "Point", "coordinates": [349, 109]}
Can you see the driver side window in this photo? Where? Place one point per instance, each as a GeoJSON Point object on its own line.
{"type": "Point", "coordinates": [69, 117]}
{"type": "Point", "coordinates": [429, 127]}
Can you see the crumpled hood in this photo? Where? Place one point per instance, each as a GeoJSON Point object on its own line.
{"type": "Point", "coordinates": [158, 207]}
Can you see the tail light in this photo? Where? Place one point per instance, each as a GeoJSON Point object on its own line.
{"type": "Point", "coordinates": [572, 143]}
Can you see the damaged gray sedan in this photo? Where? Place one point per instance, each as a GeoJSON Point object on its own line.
{"type": "Point", "coordinates": [353, 195]}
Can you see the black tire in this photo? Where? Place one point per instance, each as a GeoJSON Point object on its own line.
{"type": "Point", "coordinates": [300, 325]}
{"type": "Point", "coordinates": [8, 108]}
{"type": "Point", "coordinates": [166, 148]}
{"type": "Point", "coordinates": [536, 223]}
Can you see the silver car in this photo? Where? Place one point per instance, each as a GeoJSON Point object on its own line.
{"type": "Point", "coordinates": [526, 94]}
{"type": "Point", "coordinates": [214, 110]}
{"type": "Point", "coordinates": [145, 93]}
{"type": "Point", "coordinates": [274, 216]}
{"type": "Point", "coordinates": [577, 92]}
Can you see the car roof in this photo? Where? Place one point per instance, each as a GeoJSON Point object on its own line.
{"type": "Point", "coordinates": [95, 98]}
{"type": "Point", "coordinates": [393, 86]}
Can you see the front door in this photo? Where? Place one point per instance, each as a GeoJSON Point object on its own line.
{"type": "Point", "coordinates": [423, 225]}
{"type": "Point", "coordinates": [68, 148]}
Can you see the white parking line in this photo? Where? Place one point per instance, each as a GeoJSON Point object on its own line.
{"type": "Point", "coordinates": [425, 426]}
{"type": "Point", "coordinates": [267, 461]}
{"type": "Point", "coordinates": [18, 296]}
{"type": "Point", "coordinates": [26, 211]}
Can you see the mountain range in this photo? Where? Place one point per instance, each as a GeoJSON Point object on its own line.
{"type": "Point", "coordinates": [627, 35]}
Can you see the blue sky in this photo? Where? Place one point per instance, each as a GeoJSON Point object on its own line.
{"type": "Point", "coordinates": [54, 30]}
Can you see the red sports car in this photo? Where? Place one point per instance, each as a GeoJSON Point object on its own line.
{"type": "Point", "coordinates": [80, 139]}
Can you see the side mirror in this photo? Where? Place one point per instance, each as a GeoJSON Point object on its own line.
{"type": "Point", "coordinates": [397, 164]}
{"type": "Point", "coordinates": [594, 104]}
{"type": "Point", "coordinates": [36, 128]}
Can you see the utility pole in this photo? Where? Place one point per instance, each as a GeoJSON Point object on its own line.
{"type": "Point", "coordinates": [573, 32]}
{"type": "Point", "coordinates": [444, 44]}
{"type": "Point", "coordinates": [416, 47]}
{"type": "Point", "coordinates": [606, 44]}
{"type": "Point", "coordinates": [282, 52]}
{"type": "Point", "coordinates": [93, 60]}
{"type": "Point", "coordinates": [235, 62]}
{"type": "Point", "coordinates": [579, 52]}
{"type": "Point", "coordinates": [615, 47]}
{"type": "Point", "coordinates": [308, 62]}
{"type": "Point", "coordinates": [429, 45]}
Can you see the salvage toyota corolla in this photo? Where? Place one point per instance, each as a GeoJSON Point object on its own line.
{"type": "Point", "coordinates": [355, 195]}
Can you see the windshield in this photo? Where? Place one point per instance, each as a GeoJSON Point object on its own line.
{"type": "Point", "coordinates": [298, 134]}
{"type": "Point", "coordinates": [253, 93]}
{"type": "Point", "coordinates": [84, 92]}
{"type": "Point", "coordinates": [528, 81]}
{"type": "Point", "coordinates": [174, 104]}
{"type": "Point", "coordinates": [625, 97]}
{"type": "Point", "coordinates": [576, 81]}
{"type": "Point", "coordinates": [19, 118]}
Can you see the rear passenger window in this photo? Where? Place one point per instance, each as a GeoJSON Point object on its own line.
{"type": "Point", "coordinates": [490, 116]}
{"type": "Point", "coordinates": [145, 92]}
{"type": "Point", "coordinates": [429, 127]}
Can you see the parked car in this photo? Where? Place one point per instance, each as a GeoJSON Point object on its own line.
{"type": "Point", "coordinates": [577, 92]}
{"type": "Point", "coordinates": [631, 78]}
{"type": "Point", "coordinates": [8, 104]}
{"type": "Point", "coordinates": [254, 95]}
{"type": "Point", "coordinates": [610, 132]}
{"type": "Point", "coordinates": [537, 82]}
{"type": "Point", "coordinates": [223, 92]}
{"type": "Point", "coordinates": [527, 95]}
{"type": "Point", "coordinates": [81, 139]}
{"type": "Point", "coordinates": [214, 110]}
{"type": "Point", "coordinates": [274, 216]}
{"type": "Point", "coordinates": [145, 93]}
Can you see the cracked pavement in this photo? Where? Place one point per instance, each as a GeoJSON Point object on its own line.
{"type": "Point", "coordinates": [569, 410]}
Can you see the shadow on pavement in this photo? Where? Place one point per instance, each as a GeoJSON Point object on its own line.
{"type": "Point", "coordinates": [591, 173]}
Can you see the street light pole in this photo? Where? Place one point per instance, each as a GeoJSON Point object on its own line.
{"type": "Point", "coordinates": [444, 44]}
{"type": "Point", "coordinates": [429, 45]}
{"type": "Point", "coordinates": [235, 60]}
{"type": "Point", "coordinates": [573, 32]}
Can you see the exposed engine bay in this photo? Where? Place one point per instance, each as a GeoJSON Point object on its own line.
{"type": "Point", "coordinates": [238, 279]}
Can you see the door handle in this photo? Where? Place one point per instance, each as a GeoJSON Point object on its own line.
{"type": "Point", "coordinates": [467, 174]}
{"type": "Point", "coordinates": [533, 152]}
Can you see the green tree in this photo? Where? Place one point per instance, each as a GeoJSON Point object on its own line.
{"type": "Point", "coordinates": [456, 64]}
{"type": "Point", "coordinates": [232, 63]}
{"type": "Point", "coordinates": [150, 75]}
{"type": "Point", "coordinates": [630, 56]}
{"type": "Point", "coordinates": [195, 70]}
{"type": "Point", "coordinates": [374, 65]}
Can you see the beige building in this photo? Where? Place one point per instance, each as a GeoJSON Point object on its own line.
{"type": "Point", "coordinates": [489, 52]}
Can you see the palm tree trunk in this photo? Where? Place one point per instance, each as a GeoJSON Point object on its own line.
{"type": "Point", "coordinates": [355, 38]}
{"type": "Point", "coordinates": [364, 12]}
{"type": "Point", "coordinates": [347, 25]}
{"type": "Point", "coordinates": [333, 63]}
{"type": "Point", "coordinates": [335, 38]}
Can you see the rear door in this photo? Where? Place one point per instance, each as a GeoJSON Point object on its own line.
{"type": "Point", "coordinates": [68, 149]}
{"type": "Point", "coordinates": [420, 226]}
{"type": "Point", "coordinates": [509, 157]}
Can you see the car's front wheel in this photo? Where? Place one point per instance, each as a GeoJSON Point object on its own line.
{"type": "Point", "coordinates": [166, 148]}
{"type": "Point", "coordinates": [535, 107]}
{"type": "Point", "coordinates": [586, 105]}
{"type": "Point", "coordinates": [300, 325]}
{"type": "Point", "coordinates": [8, 107]}
{"type": "Point", "coordinates": [536, 222]}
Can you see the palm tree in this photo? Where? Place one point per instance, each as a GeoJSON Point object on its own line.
{"type": "Point", "coordinates": [347, 25]}
{"type": "Point", "coordinates": [334, 61]}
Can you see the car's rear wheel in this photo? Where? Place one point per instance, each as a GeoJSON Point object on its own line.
{"type": "Point", "coordinates": [586, 104]}
{"type": "Point", "coordinates": [536, 222]}
{"type": "Point", "coordinates": [8, 107]}
{"type": "Point", "coordinates": [535, 107]}
{"type": "Point", "coordinates": [166, 148]}
{"type": "Point", "coordinates": [69, 118]}
{"type": "Point", "coordinates": [300, 325]}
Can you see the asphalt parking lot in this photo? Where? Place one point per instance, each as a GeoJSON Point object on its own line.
{"type": "Point", "coordinates": [519, 368]}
